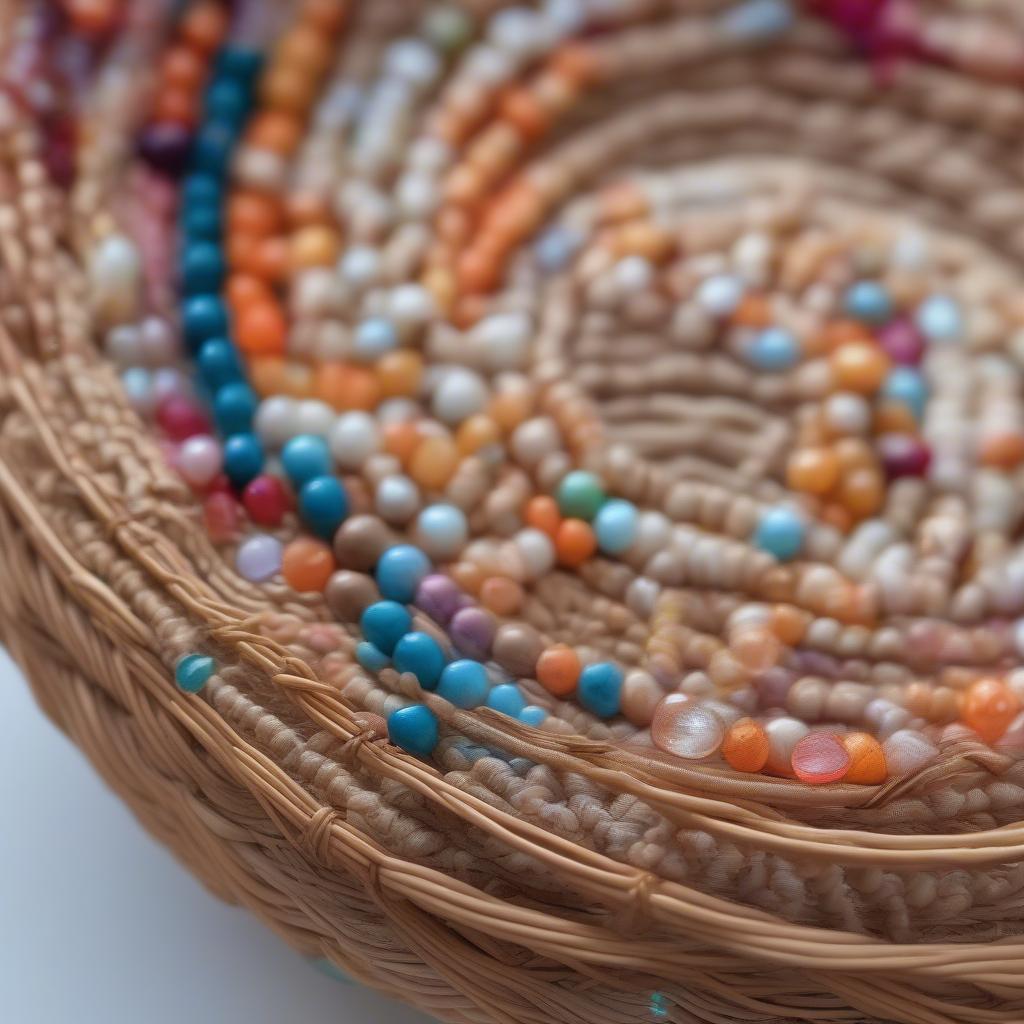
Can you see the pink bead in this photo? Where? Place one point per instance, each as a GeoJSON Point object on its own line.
{"type": "Point", "coordinates": [158, 342]}
{"type": "Point", "coordinates": [686, 729]}
{"type": "Point", "coordinates": [181, 418]}
{"type": "Point", "coordinates": [820, 758]}
{"type": "Point", "coordinates": [220, 515]}
{"type": "Point", "coordinates": [200, 460]}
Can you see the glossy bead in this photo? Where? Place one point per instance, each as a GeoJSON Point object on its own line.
{"type": "Point", "coordinates": [615, 526]}
{"type": "Point", "coordinates": [902, 342]}
{"type": "Point", "coordinates": [259, 557]}
{"type": "Point", "coordinates": [472, 631]}
{"type": "Point", "coordinates": [200, 460]}
{"type": "Point", "coordinates": [908, 751]}
{"type": "Point", "coordinates": [414, 729]}
{"type": "Point", "coordinates": [192, 672]}
{"type": "Point", "coordinates": [165, 146]}
{"type": "Point", "coordinates": [266, 500]}
{"type": "Point", "coordinates": [783, 735]}
{"type": "Point", "coordinates": [374, 338]}
{"type": "Point", "coordinates": [988, 707]}
{"type": "Point", "coordinates": [542, 514]}
{"type": "Point", "coordinates": [349, 594]}
{"type": "Point", "coordinates": [574, 542]}
{"type": "Point", "coordinates": [307, 564]}
{"type": "Point", "coordinates": [532, 715]}
{"type": "Point", "coordinates": [202, 268]}
{"type": "Point", "coordinates": [218, 363]}
{"type": "Point", "coordinates": [442, 530]}
{"type": "Point", "coordinates": [745, 746]}
{"type": "Point", "coordinates": [400, 571]}
{"type": "Point", "coordinates": [371, 658]}
{"type": "Point", "coordinates": [261, 328]}
{"type": "Point", "coordinates": [353, 438]}
{"type": "Point", "coordinates": [220, 516]}
{"type": "Point", "coordinates": [814, 470]}
{"type": "Point", "coordinates": [384, 623]}
{"type": "Point", "coordinates": [906, 385]}
{"type": "Point", "coordinates": [433, 462]}
{"type": "Point", "coordinates": [940, 319]}
{"type": "Point", "coordinates": [181, 418]}
{"type": "Point", "coordinates": [867, 760]}
{"type": "Point", "coordinates": [323, 504]}
{"type": "Point", "coordinates": [685, 729]}
{"type": "Point", "coordinates": [820, 758]}
{"type": "Point", "coordinates": [464, 683]}
{"type": "Point", "coordinates": [599, 688]}
{"type": "Point", "coordinates": [507, 699]}
{"type": "Point", "coordinates": [234, 407]}
{"type": "Point", "coordinates": [420, 654]}
{"type": "Point", "coordinates": [558, 670]}
{"type": "Point", "coordinates": [903, 455]}
{"type": "Point", "coordinates": [305, 457]}
{"type": "Point", "coordinates": [773, 350]}
{"type": "Point", "coordinates": [859, 366]}
{"type": "Point", "coordinates": [438, 597]}
{"type": "Point", "coordinates": [868, 301]}
{"type": "Point", "coordinates": [243, 458]}
{"type": "Point", "coordinates": [203, 317]}
{"type": "Point", "coordinates": [780, 531]}
{"type": "Point", "coordinates": [580, 495]}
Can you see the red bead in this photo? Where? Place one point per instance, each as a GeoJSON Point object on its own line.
{"type": "Point", "coordinates": [181, 418]}
{"type": "Point", "coordinates": [266, 500]}
{"type": "Point", "coordinates": [220, 515]}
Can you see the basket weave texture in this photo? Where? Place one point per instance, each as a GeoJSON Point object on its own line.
{"type": "Point", "coordinates": [603, 884]}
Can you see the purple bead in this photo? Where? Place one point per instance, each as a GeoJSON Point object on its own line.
{"type": "Point", "coordinates": [258, 557]}
{"type": "Point", "coordinates": [165, 146]}
{"type": "Point", "coordinates": [903, 455]}
{"type": "Point", "coordinates": [773, 686]}
{"type": "Point", "coordinates": [902, 342]}
{"type": "Point", "coordinates": [472, 631]}
{"type": "Point", "coordinates": [816, 663]}
{"type": "Point", "coordinates": [438, 597]}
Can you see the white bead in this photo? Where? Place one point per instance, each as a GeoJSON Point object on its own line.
{"type": "Point", "coordinates": [260, 168]}
{"type": "Point", "coordinates": [359, 265]}
{"type": "Point", "coordinates": [847, 413]}
{"type": "Point", "coordinates": [397, 410]}
{"type": "Point", "coordinates": [720, 295]}
{"type": "Point", "coordinates": [413, 61]}
{"type": "Point", "coordinates": [907, 751]}
{"type": "Point", "coordinates": [632, 274]}
{"type": "Point", "coordinates": [314, 417]}
{"type": "Point", "coordinates": [417, 195]}
{"type": "Point", "coordinates": [115, 277]}
{"type": "Point", "coordinates": [200, 459]}
{"type": "Point", "coordinates": [487, 65]}
{"type": "Point", "coordinates": [353, 439]}
{"type": "Point", "coordinates": [158, 342]}
{"type": "Point", "coordinates": [652, 533]}
{"type": "Point", "coordinates": [459, 394]}
{"type": "Point", "coordinates": [537, 551]}
{"type": "Point", "coordinates": [397, 499]}
{"type": "Point", "coordinates": [535, 439]}
{"type": "Point", "coordinates": [504, 339]}
{"type": "Point", "coordinates": [783, 735]}
{"type": "Point", "coordinates": [410, 305]}
{"type": "Point", "coordinates": [276, 420]}
{"type": "Point", "coordinates": [123, 346]}
{"type": "Point", "coordinates": [442, 530]}
{"type": "Point", "coordinates": [520, 32]}
{"type": "Point", "coordinates": [316, 293]}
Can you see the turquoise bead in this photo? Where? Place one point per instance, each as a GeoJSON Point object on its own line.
{"type": "Point", "coordinates": [201, 188]}
{"type": "Point", "coordinates": [421, 655]}
{"type": "Point", "coordinates": [400, 571]}
{"type": "Point", "coordinates": [600, 688]}
{"type": "Point", "coordinates": [532, 715]}
{"type": "Point", "coordinates": [218, 363]}
{"type": "Point", "coordinates": [243, 458]}
{"type": "Point", "coordinates": [372, 658]}
{"type": "Point", "coordinates": [774, 349]}
{"type": "Point", "coordinates": [304, 457]}
{"type": "Point", "coordinates": [780, 531]}
{"type": "Point", "coordinates": [464, 683]}
{"type": "Point", "coordinates": [939, 318]}
{"type": "Point", "coordinates": [580, 495]}
{"type": "Point", "coordinates": [323, 504]}
{"type": "Point", "coordinates": [234, 407]}
{"type": "Point", "coordinates": [414, 729]}
{"type": "Point", "coordinates": [757, 20]}
{"type": "Point", "coordinates": [212, 147]}
{"type": "Point", "coordinates": [615, 526]}
{"type": "Point", "coordinates": [239, 62]}
{"type": "Point", "coordinates": [868, 301]}
{"type": "Point", "coordinates": [203, 317]}
{"type": "Point", "coordinates": [192, 672]}
{"type": "Point", "coordinates": [905, 384]}
{"type": "Point", "coordinates": [202, 268]}
{"type": "Point", "coordinates": [506, 698]}
{"type": "Point", "coordinates": [227, 100]}
{"type": "Point", "coordinates": [384, 623]}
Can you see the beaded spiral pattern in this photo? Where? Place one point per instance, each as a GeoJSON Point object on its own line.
{"type": "Point", "coordinates": [611, 412]}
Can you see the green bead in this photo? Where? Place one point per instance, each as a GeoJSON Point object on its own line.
{"type": "Point", "coordinates": [192, 671]}
{"type": "Point", "coordinates": [580, 495]}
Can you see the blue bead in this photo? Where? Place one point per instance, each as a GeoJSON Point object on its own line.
{"type": "Point", "coordinates": [234, 407]}
{"type": "Point", "coordinates": [201, 188]}
{"type": "Point", "coordinates": [600, 688]}
{"type": "Point", "coordinates": [464, 683]}
{"type": "Point", "coordinates": [414, 729]}
{"type": "Point", "coordinates": [507, 699]}
{"type": "Point", "coordinates": [192, 671]}
{"type": "Point", "coordinates": [555, 248]}
{"type": "Point", "coordinates": [774, 349]}
{"type": "Point", "coordinates": [384, 623]}
{"type": "Point", "coordinates": [213, 146]}
{"type": "Point", "coordinates": [374, 338]}
{"type": "Point", "coordinates": [304, 457]}
{"type": "Point", "coordinates": [218, 363]}
{"type": "Point", "coordinates": [372, 658]}
{"type": "Point", "coordinates": [202, 268]}
{"type": "Point", "coordinates": [323, 504]}
{"type": "Point", "coordinates": [420, 654]}
{"type": "Point", "coordinates": [757, 20]}
{"type": "Point", "coordinates": [868, 301]}
{"type": "Point", "coordinates": [203, 317]}
{"type": "Point", "coordinates": [905, 384]}
{"type": "Point", "coordinates": [532, 715]}
{"type": "Point", "coordinates": [615, 525]}
{"type": "Point", "coordinates": [201, 222]}
{"type": "Point", "coordinates": [780, 531]}
{"type": "Point", "coordinates": [400, 571]}
{"type": "Point", "coordinates": [239, 62]}
{"type": "Point", "coordinates": [940, 318]}
{"type": "Point", "coordinates": [227, 99]}
{"type": "Point", "coordinates": [243, 458]}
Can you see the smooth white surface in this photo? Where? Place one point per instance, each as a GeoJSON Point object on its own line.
{"type": "Point", "coordinates": [99, 925]}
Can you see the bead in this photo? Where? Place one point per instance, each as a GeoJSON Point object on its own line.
{"type": "Point", "coordinates": [906, 385]}
{"type": "Point", "coordinates": [243, 458]}
{"type": "Point", "coordinates": [433, 462]}
{"type": "Point", "coordinates": [307, 564]}
{"type": "Point", "coordinates": [814, 470]}
{"type": "Point", "coordinates": [868, 301]}
{"type": "Point", "coordinates": [472, 631]}
{"type": "Point", "coordinates": [641, 695]}
{"type": "Point", "coordinates": [200, 460]}
{"type": "Point", "coordinates": [192, 672]}
{"type": "Point", "coordinates": [686, 729]}
{"type": "Point", "coordinates": [745, 746]}
{"type": "Point", "coordinates": [421, 655]}
{"type": "Point", "coordinates": [266, 500]}
{"type": "Point", "coordinates": [442, 530]}
{"type": "Point", "coordinates": [908, 751]}
{"type": "Point", "coordinates": [902, 342]}
{"type": "Point", "coordinates": [323, 504]}
{"type": "Point", "coordinates": [276, 420]}
{"type": "Point", "coordinates": [720, 295]}
{"type": "Point", "coordinates": [988, 707]}
{"type": "Point", "coordinates": [940, 319]}
{"type": "Point", "coordinates": [374, 338]}
{"type": "Point", "coordinates": [532, 715]}
{"type": "Point", "coordinates": [360, 541]}
{"type": "Point", "coordinates": [234, 407]}
{"type": "Point", "coordinates": [580, 495]}
{"type": "Point", "coordinates": [384, 623]}
{"type": "Point", "coordinates": [575, 542]}
{"type": "Point", "coordinates": [400, 571]}
{"type": "Point", "coordinates": [259, 558]}
{"type": "Point", "coordinates": [203, 317]}
{"type": "Point", "coordinates": [599, 688]}
{"type": "Point", "coordinates": [859, 366]}
{"type": "Point", "coordinates": [218, 363]}
{"type": "Point", "coordinates": [820, 758]}
{"type": "Point", "coordinates": [202, 268]}
{"type": "Point", "coordinates": [780, 532]}
{"type": "Point", "coordinates": [414, 729]}
{"type": "Point", "coordinates": [397, 499]}
{"type": "Point", "coordinates": [783, 735]}
{"type": "Point", "coordinates": [558, 670]}
{"type": "Point", "coordinates": [349, 593]}
{"type": "Point", "coordinates": [537, 552]}
{"type": "Point", "coordinates": [438, 597]}
{"type": "Point", "coordinates": [464, 683]}
{"type": "Point", "coordinates": [371, 658]}
{"type": "Point", "coordinates": [542, 514]}
{"type": "Point", "coordinates": [305, 457]}
{"type": "Point", "coordinates": [459, 394]}
{"type": "Point", "coordinates": [903, 455]}
{"type": "Point", "coordinates": [517, 646]}
{"type": "Point", "coordinates": [867, 761]}
{"type": "Point", "coordinates": [353, 438]}
{"type": "Point", "coordinates": [774, 350]}
{"type": "Point", "coordinates": [181, 418]}
{"type": "Point", "coordinates": [506, 699]}
{"type": "Point", "coordinates": [261, 328]}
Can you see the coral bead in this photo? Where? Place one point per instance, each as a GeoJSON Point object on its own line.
{"type": "Point", "coordinates": [574, 542]}
{"type": "Point", "coordinates": [820, 758]}
{"type": "Point", "coordinates": [558, 670]}
{"type": "Point", "coordinates": [261, 328]}
{"type": "Point", "coordinates": [307, 564]}
{"type": "Point", "coordinates": [542, 514]}
{"type": "Point", "coordinates": [867, 760]}
{"type": "Point", "coordinates": [988, 707]}
{"type": "Point", "coordinates": [745, 746]}
{"type": "Point", "coordinates": [220, 516]}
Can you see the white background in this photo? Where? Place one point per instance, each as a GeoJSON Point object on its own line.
{"type": "Point", "coordinates": [100, 925]}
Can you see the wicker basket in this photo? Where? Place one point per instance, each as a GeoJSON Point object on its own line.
{"type": "Point", "coordinates": [610, 885]}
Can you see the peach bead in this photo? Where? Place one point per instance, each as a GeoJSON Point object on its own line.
{"type": "Point", "coordinates": [988, 707]}
{"type": "Point", "coordinates": [175, 104]}
{"type": "Point", "coordinates": [475, 433]}
{"type": "Point", "coordinates": [859, 366]}
{"type": "Point", "coordinates": [862, 492]}
{"type": "Point", "coordinates": [276, 130]}
{"type": "Point", "coordinates": [266, 374]}
{"type": "Point", "coordinates": [433, 462]}
{"type": "Point", "coordinates": [269, 259]}
{"type": "Point", "coordinates": [894, 418]}
{"type": "Point", "coordinates": [853, 453]}
{"type": "Point", "coordinates": [745, 746]}
{"type": "Point", "coordinates": [361, 390]}
{"type": "Point", "coordinates": [814, 470]}
{"type": "Point", "coordinates": [326, 15]}
{"type": "Point", "coordinates": [574, 542]}
{"type": "Point", "coordinates": [400, 440]}
{"type": "Point", "coordinates": [260, 328]}
{"type": "Point", "coordinates": [501, 595]}
{"type": "Point", "coordinates": [254, 212]}
{"type": "Point", "coordinates": [754, 310]}
{"type": "Point", "coordinates": [510, 408]}
{"type": "Point", "coordinates": [755, 649]}
{"type": "Point", "coordinates": [520, 108]}
{"type": "Point", "coordinates": [837, 516]}
{"type": "Point", "coordinates": [400, 374]}
{"type": "Point", "coordinates": [1002, 451]}
{"type": "Point", "coordinates": [303, 46]}
{"type": "Point", "coordinates": [241, 289]}
{"type": "Point", "coordinates": [867, 759]}
{"type": "Point", "coordinates": [288, 87]}
{"type": "Point", "coordinates": [838, 332]}
{"type": "Point", "coordinates": [307, 207]}
{"type": "Point", "coordinates": [329, 383]}
{"type": "Point", "coordinates": [542, 514]}
{"type": "Point", "coordinates": [204, 25]}
{"type": "Point", "coordinates": [313, 246]}
{"type": "Point", "coordinates": [558, 670]}
{"type": "Point", "coordinates": [789, 623]}
{"type": "Point", "coordinates": [468, 576]}
{"type": "Point", "coordinates": [307, 564]}
{"type": "Point", "coordinates": [183, 68]}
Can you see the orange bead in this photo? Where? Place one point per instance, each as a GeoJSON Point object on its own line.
{"type": "Point", "coordinates": [1002, 451]}
{"type": "Point", "coordinates": [813, 470]}
{"type": "Point", "coordinates": [266, 374]}
{"type": "Point", "coordinates": [400, 440]}
{"type": "Point", "coordinates": [433, 462]}
{"type": "Point", "coordinates": [576, 62]}
{"type": "Point", "coordinates": [837, 516]}
{"type": "Point", "coordinates": [574, 542]}
{"type": "Point", "coordinates": [859, 366]}
{"type": "Point", "coordinates": [276, 130]}
{"type": "Point", "coordinates": [558, 670]}
{"type": "Point", "coordinates": [867, 759]}
{"type": "Point", "coordinates": [839, 332]}
{"type": "Point", "coordinates": [988, 707]}
{"type": "Point", "coordinates": [754, 310]}
{"type": "Point", "coordinates": [476, 433]}
{"type": "Point", "coordinates": [260, 328]}
{"type": "Point", "coordinates": [468, 575]}
{"type": "Point", "coordinates": [304, 46]}
{"type": "Point", "coordinates": [862, 492]}
{"type": "Point", "coordinates": [254, 213]}
{"type": "Point", "coordinates": [307, 564]}
{"type": "Point", "coordinates": [241, 289]}
{"type": "Point", "coordinates": [477, 271]}
{"type": "Point", "coordinates": [203, 25]}
{"type": "Point", "coordinates": [313, 246]}
{"type": "Point", "coordinates": [501, 595]}
{"type": "Point", "coordinates": [542, 514]}
{"type": "Point", "coordinates": [92, 17]}
{"type": "Point", "coordinates": [361, 390]}
{"type": "Point", "coordinates": [853, 453]}
{"type": "Point", "coordinates": [269, 259]}
{"type": "Point", "coordinates": [326, 15]}
{"type": "Point", "coordinates": [400, 373]}
{"type": "Point", "coordinates": [183, 68]}
{"type": "Point", "coordinates": [894, 418]}
{"type": "Point", "coordinates": [789, 623]}
{"type": "Point", "coordinates": [175, 104]}
{"type": "Point", "coordinates": [288, 87]}
{"type": "Point", "coordinates": [746, 746]}
{"type": "Point", "coordinates": [519, 107]}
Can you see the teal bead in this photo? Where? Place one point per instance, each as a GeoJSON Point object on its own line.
{"type": "Point", "coordinates": [400, 571]}
{"type": "Point", "coordinates": [414, 729]}
{"type": "Point", "coordinates": [580, 495]}
{"type": "Point", "coordinates": [218, 363]}
{"type": "Point", "coordinates": [239, 63]}
{"type": "Point", "coordinates": [372, 658]}
{"type": "Point", "coordinates": [420, 654]}
{"type": "Point", "coordinates": [192, 672]}
{"type": "Point", "coordinates": [868, 301]}
{"type": "Point", "coordinates": [323, 504]}
{"type": "Point", "coordinates": [532, 715]}
{"type": "Point", "coordinates": [243, 458]}
{"type": "Point", "coordinates": [600, 688]}
{"type": "Point", "coordinates": [780, 531]}
{"type": "Point", "coordinates": [906, 385]}
{"type": "Point", "coordinates": [464, 683]}
{"type": "Point", "coordinates": [203, 317]}
{"type": "Point", "coordinates": [615, 526]}
{"type": "Point", "coordinates": [384, 623]}
{"type": "Point", "coordinates": [227, 100]}
{"type": "Point", "coordinates": [201, 188]}
{"type": "Point", "coordinates": [507, 698]}
{"type": "Point", "coordinates": [213, 147]}
{"type": "Point", "coordinates": [304, 457]}
{"type": "Point", "coordinates": [234, 406]}
{"type": "Point", "coordinates": [202, 268]}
